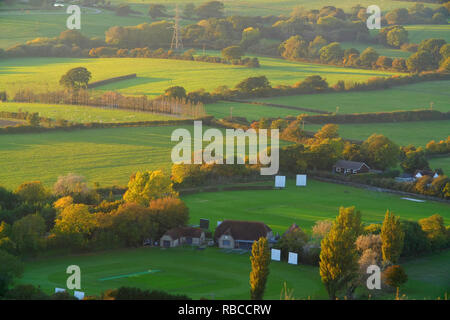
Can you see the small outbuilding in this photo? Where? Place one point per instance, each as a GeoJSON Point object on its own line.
{"type": "Point", "coordinates": [233, 234]}
{"type": "Point", "coordinates": [350, 167]}
{"type": "Point", "coordinates": [422, 173]}
{"type": "Point", "coordinates": [181, 236]}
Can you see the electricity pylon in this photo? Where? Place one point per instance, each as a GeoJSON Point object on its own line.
{"type": "Point", "coordinates": [177, 43]}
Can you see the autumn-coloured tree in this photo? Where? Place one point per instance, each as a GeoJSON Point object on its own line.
{"type": "Point", "coordinates": [260, 260]}
{"type": "Point", "coordinates": [395, 276]}
{"type": "Point", "coordinates": [146, 186]}
{"type": "Point", "coordinates": [392, 237]}
{"type": "Point", "coordinates": [32, 192]}
{"type": "Point", "coordinates": [339, 257]}
{"type": "Point", "coordinates": [27, 233]}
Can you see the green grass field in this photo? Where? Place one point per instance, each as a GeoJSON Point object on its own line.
{"type": "Point", "coordinates": [267, 7]}
{"type": "Point", "coordinates": [209, 273]}
{"type": "Point", "coordinates": [156, 75]}
{"type": "Point", "coordinates": [222, 109]}
{"type": "Point", "coordinates": [108, 156]}
{"type": "Point", "coordinates": [82, 114]}
{"type": "Point", "coordinates": [417, 33]}
{"type": "Point", "coordinates": [20, 26]}
{"type": "Point", "coordinates": [213, 274]}
{"type": "Point", "coordinates": [304, 206]}
{"type": "Point", "coordinates": [408, 97]}
{"type": "Point", "coordinates": [440, 162]}
{"type": "Point", "coordinates": [382, 50]}
{"type": "Point", "coordinates": [418, 133]}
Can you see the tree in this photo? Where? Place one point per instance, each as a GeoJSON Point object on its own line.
{"type": "Point", "coordinates": [433, 47]}
{"type": "Point", "coordinates": [168, 213]}
{"type": "Point", "coordinates": [232, 53]}
{"type": "Point", "coordinates": [368, 57]}
{"type": "Point", "coordinates": [294, 48]}
{"type": "Point", "coordinates": [146, 186]}
{"type": "Point", "coordinates": [27, 233]}
{"type": "Point", "coordinates": [395, 276]}
{"type": "Point", "coordinates": [339, 257]}
{"type": "Point", "coordinates": [380, 152]}
{"type": "Point", "coordinates": [157, 10]}
{"type": "Point", "coordinates": [396, 37]}
{"type": "Point", "coordinates": [71, 185]}
{"type": "Point", "coordinates": [392, 236]}
{"type": "Point", "coordinates": [210, 9]}
{"type": "Point", "coordinates": [260, 260]}
{"type": "Point", "coordinates": [76, 78]}
{"type": "Point", "coordinates": [250, 36]}
{"type": "Point", "coordinates": [434, 228]}
{"type": "Point", "coordinates": [312, 84]}
{"type": "Point", "coordinates": [75, 225]}
{"type": "Point", "coordinates": [328, 131]}
{"type": "Point", "coordinates": [321, 229]}
{"type": "Point", "coordinates": [132, 223]}
{"type": "Point", "coordinates": [415, 241]}
{"type": "Point", "coordinates": [413, 160]}
{"type": "Point", "coordinates": [123, 10]}
{"type": "Point", "coordinates": [189, 10]}
{"type": "Point", "coordinates": [331, 53]}
{"type": "Point", "coordinates": [420, 61]}
{"type": "Point", "coordinates": [292, 241]}
{"type": "Point", "coordinates": [175, 92]}
{"type": "Point", "coordinates": [384, 62]}
{"type": "Point", "coordinates": [253, 84]}
{"type": "Point", "coordinates": [32, 192]}
{"type": "Point", "coordinates": [10, 267]}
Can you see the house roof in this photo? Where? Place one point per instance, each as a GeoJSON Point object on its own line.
{"type": "Point", "coordinates": [179, 232]}
{"type": "Point", "coordinates": [425, 172]}
{"type": "Point", "coordinates": [292, 228]}
{"type": "Point", "coordinates": [242, 230]}
{"type": "Point", "coordinates": [352, 165]}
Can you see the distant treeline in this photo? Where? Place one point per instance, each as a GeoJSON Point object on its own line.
{"type": "Point", "coordinates": [41, 124]}
{"type": "Point", "coordinates": [167, 105]}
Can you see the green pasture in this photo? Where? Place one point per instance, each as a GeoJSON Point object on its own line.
{"type": "Point", "coordinates": [106, 156]}
{"type": "Point", "coordinates": [440, 162]}
{"type": "Point", "coordinates": [305, 205]}
{"type": "Point", "coordinates": [156, 75]}
{"type": "Point", "coordinates": [223, 109]}
{"type": "Point", "coordinates": [382, 50]}
{"type": "Point", "coordinates": [407, 97]}
{"type": "Point", "coordinates": [82, 114]}
{"type": "Point", "coordinates": [417, 33]}
{"type": "Point", "coordinates": [20, 26]}
{"type": "Point", "coordinates": [418, 133]}
{"type": "Point", "coordinates": [213, 274]}
{"type": "Point", "coordinates": [277, 7]}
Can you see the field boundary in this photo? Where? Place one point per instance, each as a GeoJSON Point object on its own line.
{"type": "Point", "coordinates": [111, 80]}
{"type": "Point", "coordinates": [277, 106]}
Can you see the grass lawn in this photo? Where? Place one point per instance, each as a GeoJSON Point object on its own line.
{"type": "Point", "coordinates": [408, 97]}
{"type": "Point", "coordinates": [417, 33]}
{"type": "Point", "coordinates": [222, 109]}
{"type": "Point", "coordinates": [82, 114]}
{"type": "Point", "coordinates": [418, 133]}
{"type": "Point", "coordinates": [304, 206]}
{"type": "Point", "coordinates": [206, 273]}
{"type": "Point", "coordinates": [440, 162]}
{"type": "Point", "coordinates": [156, 75]}
{"type": "Point", "coordinates": [212, 274]}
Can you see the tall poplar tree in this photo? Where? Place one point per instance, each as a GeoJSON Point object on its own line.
{"type": "Point", "coordinates": [392, 237]}
{"type": "Point", "coordinates": [260, 268]}
{"type": "Point", "coordinates": [338, 255]}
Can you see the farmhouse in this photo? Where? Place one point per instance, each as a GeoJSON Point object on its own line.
{"type": "Point", "coordinates": [350, 167]}
{"type": "Point", "coordinates": [421, 173]}
{"type": "Point", "coordinates": [240, 234]}
{"type": "Point", "coordinates": [182, 235]}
